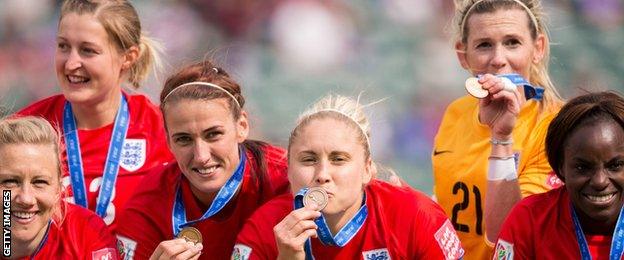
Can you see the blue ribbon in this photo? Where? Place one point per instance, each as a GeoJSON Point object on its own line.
{"type": "Point", "coordinates": [530, 91]}
{"type": "Point", "coordinates": [225, 194]}
{"type": "Point", "coordinates": [343, 236]}
{"type": "Point", "coordinates": [111, 167]}
{"type": "Point", "coordinates": [617, 241]}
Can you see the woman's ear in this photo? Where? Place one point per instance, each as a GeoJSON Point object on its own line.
{"type": "Point", "coordinates": [460, 50]}
{"type": "Point", "coordinates": [130, 57]}
{"type": "Point", "coordinates": [242, 127]}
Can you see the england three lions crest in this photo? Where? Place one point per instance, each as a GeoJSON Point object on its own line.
{"type": "Point", "coordinates": [133, 154]}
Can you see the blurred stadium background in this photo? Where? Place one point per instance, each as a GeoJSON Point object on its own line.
{"type": "Point", "coordinates": [288, 53]}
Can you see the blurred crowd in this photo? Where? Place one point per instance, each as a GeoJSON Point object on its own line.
{"type": "Point", "coordinates": [290, 52]}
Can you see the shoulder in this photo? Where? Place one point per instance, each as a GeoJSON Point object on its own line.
{"type": "Point", "coordinates": [140, 104]}
{"type": "Point", "coordinates": [273, 211]}
{"type": "Point", "coordinates": [45, 107]}
{"type": "Point", "coordinates": [458, 110]}
{"type": "Point", "coordinates": [459, 105]}
{"type": "Point", "coordinates": [275, 155]}
{"type": "Point", "coordinates": [542, 202]}
{"type": "Point", "coordinates": [157, 184]}
{"type": "Point", "coordinates": [404, 199]}
{"type": "Point", "coordinates": [83, 222]}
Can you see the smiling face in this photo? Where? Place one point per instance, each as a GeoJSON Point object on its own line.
{"type": "Point", "coordinates": [32, 175]}
{"type": "Point", "coordinates": [500, 42]}
{"type": "Point", "coordinates": [593, 170]}
{"type": "Point", "coordinates": [204, 138]}
{"type": "Point", "coordinates": [88, 65]}
{"type": "Point", "coordinates": [327, 153]}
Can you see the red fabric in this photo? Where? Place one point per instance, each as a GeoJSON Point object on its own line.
{"type": "Point", "coordinates": [540, 227]}
{"type": "Point", "coordinates": [82, 235]}
{"type": "Point", "coordinates": [147, 220]}
{"type": "Point", "coordinates": [146, 125]}
{"type": "Point", "coordinates": [401, 221]}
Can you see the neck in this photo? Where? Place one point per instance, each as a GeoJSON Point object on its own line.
{"type": "Point", "coordinates": [93, 116]}
{"type": "Point", "coordinates": [593, 227]}
{"type": "Point", "coordinates": [27, 248]}
{"type": "Point", "coordinates": [337, 221]}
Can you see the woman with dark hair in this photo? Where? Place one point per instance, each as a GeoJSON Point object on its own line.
{"type": "Point", "coordinates": [198, 204]}
{"type": "Point", "coordinates": [583, 219]}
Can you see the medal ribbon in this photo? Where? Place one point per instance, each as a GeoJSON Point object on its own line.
{"type": "Point", "coordinates": [225, 194]}
{"type": "Point", "coordinates": [343, 236]}
{"type": "Point", "coordinates": [111, 166]}
{"type": "Point", "coordinates": [617, 242]}
{"type": "Point", "coordinates": [530, 91]}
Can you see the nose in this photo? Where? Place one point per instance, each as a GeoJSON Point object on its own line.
{"type": "Point", "coordinates": [25, 196]}
{"type": "Point", "coordinates": [73, 61]}
{"type": "Point", "coordinates": [201, 152]}
{"type": "Point", "coordinates": [499, 59]}
{"type": "Point", "coordinates": [599, 180]}
{"type": "Point", "coordinates": [322, 175]}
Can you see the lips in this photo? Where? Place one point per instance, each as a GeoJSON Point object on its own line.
{"type": "Point", "coordinates": [74, 79]}
{"type": "Point", "coordinates": [600, 199]}
{"type": "Point", "coordinates": [24, 217]}
{"type": "Point", "coordinates": [205, 171]}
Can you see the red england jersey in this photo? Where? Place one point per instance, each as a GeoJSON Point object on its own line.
{"type": "Point", "coordinates": [145, 147]}
{"type": "Point", "coordinates": [401, 224]}
{"type": "Point", "coordinates": [541, 227]}
{"type": "Point", "coordinates": [147, 218]}
{"type": "Point", "coordinates": [81, 235]}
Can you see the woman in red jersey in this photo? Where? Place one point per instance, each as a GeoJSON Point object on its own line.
{"type": "Point", "coordinates": [112, 138]}
{"type": "Point", "coordinates": [329, 153]}
{"type": "Point", "coordinates": [220, 178]}
{"type": "Point", "coordinates": [582, 219]}
{"type": "Point", "coordinates": [43, 226]}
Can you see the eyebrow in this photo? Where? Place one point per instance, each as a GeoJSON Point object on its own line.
{"type": "Point", "coordinates": [210, 129]}
{"type": "Point", "coordinates": [61, 38]}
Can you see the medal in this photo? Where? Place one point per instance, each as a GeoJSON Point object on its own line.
{"type": "Point", "coordinates": [190, 234]}
{"type": "Point", "coordinates": [474, 88]}
{"type": "Point", "coordinates": [316, 197]}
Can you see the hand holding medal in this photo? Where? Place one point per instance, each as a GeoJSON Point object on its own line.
{"type": "Point", "coordinates": [475, 89]}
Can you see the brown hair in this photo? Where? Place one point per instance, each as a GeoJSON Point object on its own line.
{"type": "Point", "coordinates": [122, 24]}
{"type": "Point", "coordinates": [580, 111]}
{"type": "Point", "coordinates": [208, 72]}
{"type": "Point", "coordinates": [539, 73]}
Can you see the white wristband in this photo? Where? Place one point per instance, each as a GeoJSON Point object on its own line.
{"type": "Point", "coordinates": [502, 169]}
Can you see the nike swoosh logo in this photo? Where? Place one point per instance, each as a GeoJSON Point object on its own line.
{"type": "Point", "coordinates": [436, 152]}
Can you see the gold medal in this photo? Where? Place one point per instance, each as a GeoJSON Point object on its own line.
{"type": "Point", "coordinates": [474, 88]}
{"type": "Point", "coordinates": [316, 197]}
{"type": "Point", "coordinates": [190, 234]}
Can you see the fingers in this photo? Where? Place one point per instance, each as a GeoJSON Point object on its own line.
{"type": "Point", "coordinates": [303, 214]}
{"type": "Point", "coordinates": [176, 249]}
{"type": "Point", "coordinates": [494, 84]}
{"type": "Point", "coordinates": [292, 232]}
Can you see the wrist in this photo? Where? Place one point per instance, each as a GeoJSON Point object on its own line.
{"type": "Point", "coordinates": [496, 141]}
{"type": "Point", "coordinates": [502, 168]}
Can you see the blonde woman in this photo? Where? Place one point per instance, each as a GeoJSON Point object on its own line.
{"type": "Point", "coordinates": [359, 217]}
{"type": "Point", "coordinates": [43, 226]}
{"type": "Point", "coordinates": [112, 138]}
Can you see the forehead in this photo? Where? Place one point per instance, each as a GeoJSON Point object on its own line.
{"type": "Point", "coordinates": [186, 113]}
{"type": "Point", "coordinates": [498, 23]}
{"type": "Point", "coordinates": [327, 132]}
{"type": "Point", "coordinates": [601, 134]}
{"type": "Point", "coordinates": [33, 159]}
{"type": "Point", "coordinates": [82, 27]}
